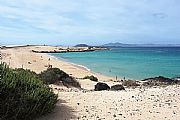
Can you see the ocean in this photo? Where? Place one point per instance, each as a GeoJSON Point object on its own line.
{"type": "Point", "coordinates": [131, 63]}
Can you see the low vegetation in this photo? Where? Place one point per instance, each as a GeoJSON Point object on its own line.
{"type": "Point", "coordinates": [23, 96]}
{"type": "Point", "coordinates": [117, 87]}
{"type": "Point", "coordinates": [55, 75]}
{"type": "Point", "coordinates": [93, 78]}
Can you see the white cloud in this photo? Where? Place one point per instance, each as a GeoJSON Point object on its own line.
{"type": "Point", "coordinates": [68, 18]}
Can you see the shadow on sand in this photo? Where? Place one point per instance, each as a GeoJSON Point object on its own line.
{"type": "Point", "coordinates": [60, 112]}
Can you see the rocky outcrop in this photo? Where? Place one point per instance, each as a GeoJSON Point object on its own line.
{"type": "Point", "coordinates": [157, 81]}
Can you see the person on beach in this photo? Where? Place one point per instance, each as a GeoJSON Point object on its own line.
{"type": "Point", "coordinates": [0, 56]}
{"type": "Point", "coordinates": [49, 65]}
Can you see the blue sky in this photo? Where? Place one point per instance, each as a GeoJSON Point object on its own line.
{"type": "Point", "coordinates": [68, 22]}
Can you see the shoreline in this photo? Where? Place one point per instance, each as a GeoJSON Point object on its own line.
{"type": "Point", "coordinates": [74, 64]}
{"type": "Point", "coordinates": [90, 70]}
{"type": "Point", "coordinates": [84, 68]}
{"type": "Point", "coordinates": [19, 60]}
{"type": "Point", "coordinates": [113, 78]}
{"type": "Point", "coordinates": [24, 57]}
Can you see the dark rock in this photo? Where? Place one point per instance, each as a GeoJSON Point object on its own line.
{"type": "Point", "coordinates": [117, 87]}
{"type": "Point", "coordinates": [156, 81]}
{"type": "Point", "coordinates": [101, 86]}
{"type": "Point", "coordinates": [159, 79]}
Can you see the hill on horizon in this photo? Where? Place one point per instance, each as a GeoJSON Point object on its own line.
{"type": "Point", "coordinates": [81, 45]}
{"type": "Point", "coordinates": [117, 44]}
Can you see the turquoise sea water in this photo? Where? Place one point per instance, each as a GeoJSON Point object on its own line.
{"type": "Point", "coordinates": [132, 63]}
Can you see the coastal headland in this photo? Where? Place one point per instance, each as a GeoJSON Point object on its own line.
{"type": "Point", "coordinates": [140, 103]}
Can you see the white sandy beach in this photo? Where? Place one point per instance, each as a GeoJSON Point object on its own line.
{"type": "Point", "coordinates": [136, 104]}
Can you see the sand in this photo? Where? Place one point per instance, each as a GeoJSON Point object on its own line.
{"type": "Point", "coordinates": [132, 104]}
{"type": "Point", "coordinates": [152, 104]}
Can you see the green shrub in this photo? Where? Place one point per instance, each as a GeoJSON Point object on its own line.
{"type": "Point", "coordinates": [55, 75]}
{"type": "Point", "coordinates": [23, 96]}
{"type": "Point", "coordinates": [91, 78]}
{"type": "Point", "coordinates": [27, 71]}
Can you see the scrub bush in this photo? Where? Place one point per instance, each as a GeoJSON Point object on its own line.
{"type": "Point", "coordinates": [23, 96]}
{"type": "Point", "coordinates": [55, 75]}
{"type": "Point", "coordinates": [93, 78]}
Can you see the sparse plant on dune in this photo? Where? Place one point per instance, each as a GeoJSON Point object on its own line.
{"type": "Point", "coordinates": [130, 83]}
{"type": "Point", "coordinates": [93, 78]}
{"type": "Point", "coordinates": [55, 75]}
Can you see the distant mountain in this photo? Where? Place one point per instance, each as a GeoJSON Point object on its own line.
{"type": "Point", "coordinates": [117, 44]}
{"type": "Point", "coordinates": [81, 45]}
